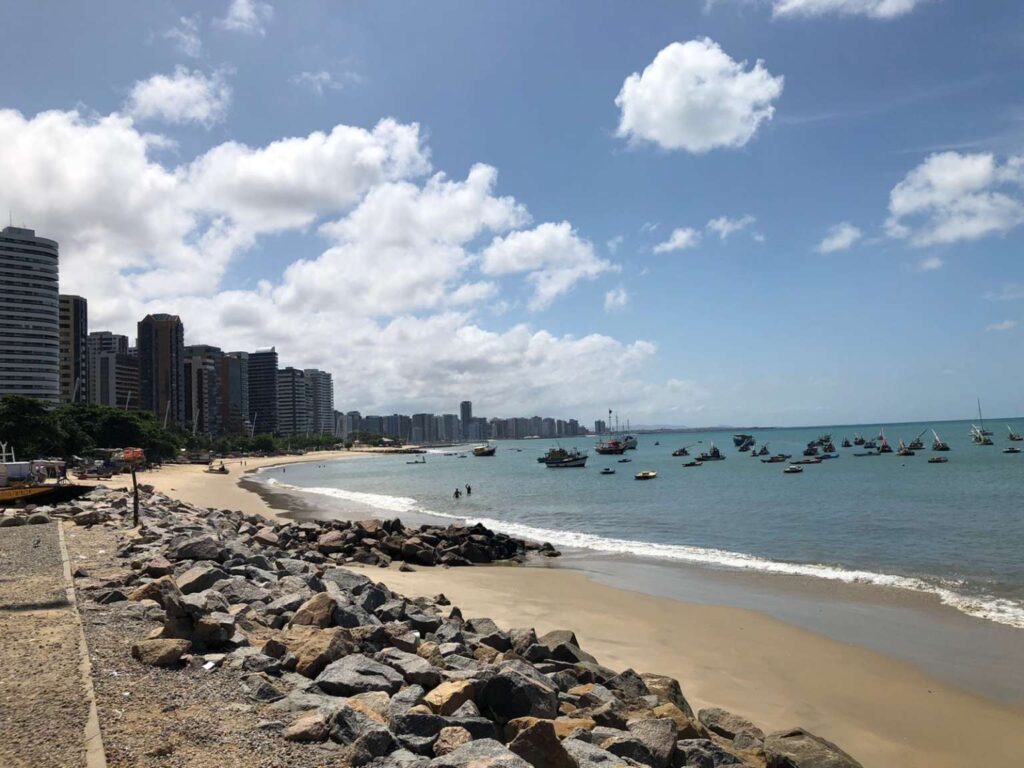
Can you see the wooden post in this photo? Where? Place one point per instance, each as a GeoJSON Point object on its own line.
{"type": "Point", "coordinates": [135, 499]}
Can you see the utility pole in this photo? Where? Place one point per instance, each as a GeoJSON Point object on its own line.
{"type": "Point", "coordinates": [135, 499]}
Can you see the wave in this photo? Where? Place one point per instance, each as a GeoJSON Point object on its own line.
{"type": "Point", "coordinates": [999, 610]}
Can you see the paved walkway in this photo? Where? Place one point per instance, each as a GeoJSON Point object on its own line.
{"type": "Point", "coordinates": [43, 702]}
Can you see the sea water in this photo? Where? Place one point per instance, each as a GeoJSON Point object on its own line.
{"type": "Point", "coordinates": [955, 530]}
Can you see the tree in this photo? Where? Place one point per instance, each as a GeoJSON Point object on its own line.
{"type": "Point", "coordinates": [31, 429]}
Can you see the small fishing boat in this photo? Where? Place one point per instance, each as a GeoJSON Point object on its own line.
{"type": "Point", "coordinates": [763, 452]}
{"type": "Point", "coordinates": [870, 444]}
{"type": "Point", "coordinates": [979, 436]}
{"type": "Point", "coordinates": [740, 439]}
{"type": "Point", "coordinates": [647, 474]}
{"type": "Point", "coordinates": [858, 440]}
{"type": "Point", "coordinates": [883, 445]}
{"type": "Point", "coordinates": [868, 453]}
{"type": "Point", "coordinates": [937, 460]}
{"type": "Point", "coordinates": [681, 452]}
{"type": "Point", "coordinates": [748, 445]}
{"type": "Point", "coordinates": [847, 443]}
{"type": "Point", "coordinates": [624, 461]}
{"type": "Point", "coordinates": [630, 442]}
{"type": "Point", "coordinates": [1011, 449]}
{"type": "Point", "coordinates": [937, 443]}
{"type": "Point", "coordinates": [657, 442]}
{"type": "Point", "coordinates": [903, 450]}
{"type": "Point", "coordinates": [607, 471]}
{"type": "Point", "coordinates": [610, 447]}
{"type": "Point", "coordinates": [792, 469]}
{"type": "Point", "coordinates": [811, 450]}
{"type": "Point", "coordinates": [814, 460]}
{"type": "Point", "coordinates": [829, 447]}
{"type": "Point", "coordinates": [559, 458]}
{"type": "Point", "coordinates": [917, 444]}
{"type": "Point", "coordinates": [485, 450]}
{"type": "Point", "coordinates": [826, 456]}
{"type": "Point", "coordinates": [712, 455]}
{"type": "Point", "coordinates": [774, 460]}
{"type": "Point", "coordinates": [221, 470]}
{"type": "Point", "coordinates": [422, 460]}
{"type": "Point", "coordinates": [692, 464]}
{"type": "Point", "coordinates": [1013, 436]}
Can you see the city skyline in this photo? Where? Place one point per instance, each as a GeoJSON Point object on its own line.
{"type": "Point", "coordinates": [795, 238]}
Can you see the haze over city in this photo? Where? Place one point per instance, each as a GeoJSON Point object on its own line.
{"type": "Point", "coordinates": [822, 224]}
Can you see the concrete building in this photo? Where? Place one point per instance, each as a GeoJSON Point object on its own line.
{"type": "Point", "coordinates": [263, 391]}
{"type": "Point", "coordinates": [233, 377]}
{"type": "Point", "coordinates": [293, 402]}
{"type": "Point", "coordinates": [398, 426]}
{"type": "Point", "coordinates": [600, 426]}
{"type": "Point", "coordinates": [422, 428]}
{"type": "Point", "coordinates": [29, 316]}
{"type": "Point", "coordinates": [373, 425]}
{"type": "Point", "coordinates": [451, 429]}
{"type": "Point", "coordinates": [321, 390]}
{"type": "Point", "coordinates": [74, 356]}
{"type": "Point", "coordinates": [202, 389]}
{"type": "Point", "coordinates": [161, 350]}
{"type": "Point", "coordinates": [113, 373]}
{"type": "Point", "coordinates": [353, 423]}
{"type": "Point", "coordinates": [466, 416]}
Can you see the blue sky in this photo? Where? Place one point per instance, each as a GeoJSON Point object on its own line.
{"type": "Point", "coordinates": [173, 148]}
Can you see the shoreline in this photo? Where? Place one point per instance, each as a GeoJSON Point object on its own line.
{"type": "Point", "coordinates": [883, 709]}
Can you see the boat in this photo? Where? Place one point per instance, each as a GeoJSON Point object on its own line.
{"type": "Point", "coordinates": [624, 461]}
{"type": "Point", "coordinates": [813, 460]}
{"type": "Point", "coordinates": [858, 440]}
{"type": "Point", "coordinates": [826, 456]}
{"type": "Point", "coordinates": [421, 460]}
{"type": "Point", "coordinates": [712, 455]}
{"type": "Point", "coordinates": [811, 450]}
{"type": "Point", "coordinates": [981, 429]}
{"type": "Point", "coordinates": [1013, 436]}
{"type": "Point", "coordinates": [847, 443]}
{"type": "Point", "coordinates": [774, 460]}
{"type": "Point", "coordinates": [870, 444]}
{"type": "Point", "coordinates": [607, 471]}
{"type": "Point", "coordinates": [485, 450]}
{"type": "Point", "coordinates": [917, 444]}
{"type": "Point", "coordinates": [657, 442]}
{"type": "Point", "coordinates": [692, 464]}
{"type": "Point", "coordinates": [902, 450]}
{"type": "Point", "coordinates": [883, 445]}
{"type": "Point", "coordinates": [221, 470]}
{"type": "Point", "coordinates": [680, 452]}
{"type": "Point", "coordinates": [646, 474]}
{"type": "Point", "coordinates": [542, 459]}
{"type": "Point", "coordinates": [937, 460]}
{"type": "Point", "coordinates": [763, 452]}
{"type": "Point", "coordinates": [829, 447]}
{"type": "Point", "coordinates": [610, 447]}
{"type": "Point", "coordinates": [937, 443]}
{"type": "Point", "coordinates": [559, 458]}
{"type": "Point", "coordinates": [792, 469]}
{"type": "Point", "coordinates": [740, 439]}
{"type": "Point", "coordinates": [978, 436]}
{"type": "Point", "coordinates": [1011, 449]}
{"type": "Point", "coordinates": [630, 442]}
{"type": "Point", "coordinates": [867, 453]}
{"type": "Point", "coordinates": [747, 446]}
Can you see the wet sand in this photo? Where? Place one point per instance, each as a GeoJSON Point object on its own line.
{"type": "Point", "coordinates": [883, 710]}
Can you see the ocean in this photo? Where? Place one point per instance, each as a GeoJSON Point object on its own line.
{"type": "Point", "coordinates": [952, 530]}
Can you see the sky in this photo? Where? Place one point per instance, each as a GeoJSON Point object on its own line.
{"type": "Point", "coordinates": [694, 212]}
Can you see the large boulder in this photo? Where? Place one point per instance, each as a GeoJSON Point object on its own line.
{"type": "Point", "coordinates": [667, 689]}
{"type": "Point", "coordinates": [197, 548]}
{"type": "Point", "coordinates": [702, 753]}
{"type": "Point", "coordinates": [161, 652]}
{"type": "Point", "coordinates": [451, 738]}
{"type": "Point", "coordinates": [518, 690]}
{"type": "Point", "coordinates": [316, 611]}
{"type": "Point", "coordinates": [659, 735]}
{"type": "Point", "coordinates": [357, 673]}
{"type": "Point", "coordinates": [316, 648]}
{"type": "Point", "coordinates": [312, 726]}
{"type": "Point", "coordinates": [365, 738]}
{"type": "Point", "coordinates": [538, 744]}
{"type": "Point", "coordinates": [413, 668]}
{"type": "Point", "coordinates": [447, 697]}
{"type": "Point", "coordinates": [797, 748]}
{"type": "Point", "coordinates": [199, 577]}
{"type": "Point", "coordinates": [727, 724]}
{"type": "Point", "coordinates": [482, 753]}
{"type": "Point", "coordinates": [587, 755]}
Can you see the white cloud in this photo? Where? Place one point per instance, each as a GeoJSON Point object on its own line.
{"type": "Point", "coordinates": [680, 240]}
{"type": "Point", "coordinates": [394, 304]}
{"type": "Point", "coordinates": [184, 97]}
{"type": "Point", "coordinates": [616, 299]}
{"type": "Point", "coordinates": [841, 237]}
{"type": "Point", "coordinates": [615, 243]}
{"type": "Point", "coordinates": [248, 17]}
{"type": "Point", "coordinates": [1007, 292]}
{"type": "Point", "coordinates": [186, 36]}
{"type": "Point", "coordinates": [554, 257]}
{"type": "Point", "coordinates": [322, 80]}
{"type": "Point", "coordinates": [723, 226]}
{"type": "Point", "coordinates": [952, 197]}
{"type": "Point", "coordinates": [694, 97]}
{"type": "Point", "coordinates": [930, 264]}
{"type": "Point", "coordinates": [1005, 325]}
{"type": "Point", "coordinates": [875, 9]}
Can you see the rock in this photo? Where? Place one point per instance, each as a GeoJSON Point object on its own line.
{"type": "Point", "coordinates": [374, 704]}
{"type": "Point", "coordinates": [313, 726]}
{"type": "Point", "coordinates": [266, 536]}
{"type": "Point", "coordinates": [316, 612]}
{"type": "Point", "coordinates": [488, 633]}
{"type": "Point", "coordinates": [538, 745]}
{"type": "Point", "coordinates": [197, 548]}
{"type": "Point", "coordinates": [158, 566]}
{"type": "Point", "coordinates": [688, 728]}
{"type": "Point", "coordinates": [483, 753]}
{"type": "Point", "coordinates": [797, 748]}
{"type": "Point", "coordinates": [629, 684]}
{"type": "Point", "coordinates": [215, 629]}
{"type": "Point", "coordinates": [199, 577]}
{"type": "Point", "coordinates": [659, 735]}
{"type": "Point", "coordinates": [37, 518]}
{"type": "Point", "coordinates": [10, 521]}
{"type": "Point", "coordinates": [347, 581]}
{"type": "Point", "coordinates": [403, 701]}
{"type": "Point", "coordinates": [448, 697]}
{"type": "Point", "coordinates": [87, 517]}
{"type": "Point", "coordinates": [163, 652]}
{"type": "Point", "coordinates": [667, 689]}
{"type": "Point", "coordinates": [629, 747]}
{"type": "Point", "coordinates": [413, 668]}
{"type": "Point", "coordinates": [358, 674]}
{"type": "Point", "coordinates": [451, 738]}
{"type": "Point", "coordinates": [586, 755]}
{"type": "Point", "coordinates": [727, 724]}
{"type": "Point", "coordinates": [702, 753]}
{"type": "Point", "coordinates": [518, 690]}
{"type": "Point", "coordinates": [366, 738]}
{"type": "Point", "coordinates": [563, 726]}
{"type": "Point", "coordinates": [400, 758]}
{"type": "Point", "coordinates": [316, 648]}
{"type": "Point", "coordinates": [417, 731]}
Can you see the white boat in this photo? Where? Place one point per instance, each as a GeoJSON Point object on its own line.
{"type": "Point", "coordinates": [646, 474]}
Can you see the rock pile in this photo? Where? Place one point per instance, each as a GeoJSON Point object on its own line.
{"type": "Point", "coordinates": [394, 682]}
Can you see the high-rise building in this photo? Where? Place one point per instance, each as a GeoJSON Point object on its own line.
{"type": "Point", "coordinates": [202, 389]}
{"type": "Point", "coordinates": [353, 423]}
{"type": "Point", "coordinates": [233, 377]}
{"type": "Point", "coordinates": [161, 348]}
{"type": "Point", "coordinates": [600, 427]}
{"type": "Point", "coordinates": [465, 416]}
{"type": "Point", "coordinates": [292, 402]}
{"type": "Point", "coordinates": [451, 430]}
{"type": "Point", "coordinates": [74, 357]}
{"type": "Point", "coordinates": [113, 373]}
{"type": "Point", "coordinates": [321, 390]}
{"type": "Point", "coordinates": [29, 316]}
{"type": "Point", "coordinates": [373, 425]}
{"type": "Point", "coordinates": [263, 391]}
{"type": "Point", "coordinates": [423, 428]}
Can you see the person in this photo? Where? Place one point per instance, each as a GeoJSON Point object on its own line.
{"type": "Point", "coordinates": [469, 490]}
{"type": "Point", "coordinates": [457, 494]}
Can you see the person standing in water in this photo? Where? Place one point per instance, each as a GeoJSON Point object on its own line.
{"type": "Point", "coordinates": [469, 490]}
{"type": "Point", "coordinates": [457, 494]}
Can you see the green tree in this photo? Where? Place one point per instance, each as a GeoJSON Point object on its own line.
{"type": "Point", "coordinates": [31, 429]}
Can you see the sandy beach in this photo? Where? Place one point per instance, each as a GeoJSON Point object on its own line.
{"type": "Point", "coordinates": [884, 711]}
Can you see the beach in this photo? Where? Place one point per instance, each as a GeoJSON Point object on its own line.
{"type": "Point", "coordinates": [883, 710]}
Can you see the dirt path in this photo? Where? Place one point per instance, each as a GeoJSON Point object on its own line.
{"type": "Point", "coordinates": [43, 708]}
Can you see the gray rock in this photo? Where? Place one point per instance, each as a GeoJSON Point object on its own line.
{"type": "Point", "coordinates": [483, 753]}
{"type": "Point", "coordinates": [400, 758]}
{"type": "Point", "coordinates": [357, 673]}
{"type": "Point", "coordinates": [348, 582]}
{"type": "Point", "coordinates": [404, 700]}
{"type": "Point", "coordinates": [517, 690]}
{"type": "Point", "coordinates": [702, 753]}
{"type": "Point", "coordinates": [37, 518]}
{"type": "Point", "coordinates": [667, 689]}
{"type": "Point", "coordinates": [413, 668]}
{"type": "Point", "coordinates": [10, 521]}
{"type": "Point", "coordinates": [798, 748]}
{"type": "Point", "coordinates": [367, 739]}
{"type": "Point", "coordinates": [590, 756]}
{"type": "Point", "coordinates": [197, 548]}
{"type": "Point", "coordinates": [658, 735]}
{"type": "Point", "coordinates": [727, 724]}
{"type": "Point", "coordinates": [199, 577]}
{"type": "Point", "coordinates": [629, 684]}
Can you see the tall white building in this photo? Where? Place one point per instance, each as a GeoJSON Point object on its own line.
{"type": "Point", "coordinates": [321, 405]}
{"type": "Point", "coordinates": [29, 316]}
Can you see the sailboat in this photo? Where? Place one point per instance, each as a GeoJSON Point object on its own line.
{"type": "Point", "coordinates": [981, 429]}
{"type": "Point", "coordinates": [938, 444]}
{"type": "Point", "coordinates": [917, 444]}
{"type": "Point", "coordinates": [883, 445]}
{"type": "Point", "coordinates": [1013, 436]}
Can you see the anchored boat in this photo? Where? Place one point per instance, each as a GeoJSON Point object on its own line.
{"type": "Point", "coordinates": [647, 474]}
{"type": "Point", "coordinates": [559, 458]}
